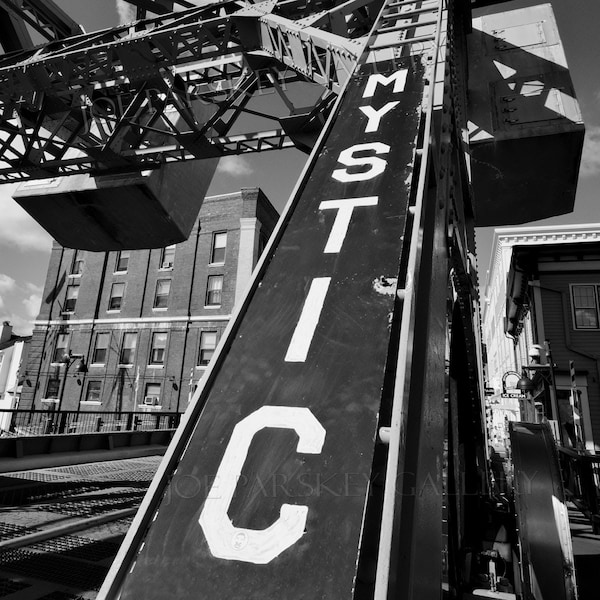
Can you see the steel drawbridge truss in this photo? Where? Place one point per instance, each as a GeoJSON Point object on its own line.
{"type": "Point", "coordinates": [189, 80]}
{"type": "Point", "coordinates": [351, 370]}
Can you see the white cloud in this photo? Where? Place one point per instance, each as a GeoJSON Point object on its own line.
{"type": "Point", "coordinates": [17, 228]}
{"type": "Point", "coordinates": [7, 284]}
{"type": "Point", "coordinates": [20, 325]}
{"type": "Point", "coordinates": [590, 161]}
{"type": "Point", "coordinates": [32, 305]}
{"type": "Point", "coordinates": [19, 303]}
{"type": "Point", "coordinates": [234, 165]}
{"type": "Point", "coordinates": [126, 12]}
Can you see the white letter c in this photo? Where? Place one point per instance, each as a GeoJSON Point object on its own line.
{"type": "Point", "coordinates": [259, 546]}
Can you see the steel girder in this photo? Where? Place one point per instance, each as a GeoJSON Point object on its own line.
{"type": "Point", "coordinates": [177, 86]}
{"type": "Point", "coordinates": [20, 18]}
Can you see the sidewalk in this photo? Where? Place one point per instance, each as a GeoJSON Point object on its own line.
{"type": "Point", "coordinates": [586, 549]}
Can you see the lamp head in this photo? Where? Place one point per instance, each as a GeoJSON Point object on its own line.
{"type": "Point", "coordinates": [535, 354]}
{"type": "Point", "coordinates": [525, 384]}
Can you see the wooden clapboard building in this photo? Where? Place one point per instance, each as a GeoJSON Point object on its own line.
{"type": "Point", "coordinates": [542, 305]}
{"type": "Point", "coordinates": [145, 322]}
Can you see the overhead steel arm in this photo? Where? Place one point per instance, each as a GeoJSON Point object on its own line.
{"type": "Point", "coordinates": [42, 17]}
{"type": "Point", "coordinates": [65, 104]}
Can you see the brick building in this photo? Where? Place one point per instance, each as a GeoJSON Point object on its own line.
{"type": "Point", "coordinates": [143, 323]}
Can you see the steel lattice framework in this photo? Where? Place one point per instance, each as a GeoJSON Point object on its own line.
{"type": "Point", "coordinates": [358, 336]}
{"type": "Point", "coordinates": [186, 81]}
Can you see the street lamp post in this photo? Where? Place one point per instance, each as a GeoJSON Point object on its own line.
{"type": "Point", "coordinates": [68, 360]}
{"type": "Point", "coordinates": [546, 371]}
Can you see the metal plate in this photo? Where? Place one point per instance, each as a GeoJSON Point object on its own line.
{"type": "Point", "coordinates": [547, 555]}
{"type": "Point", "coordinates": [326, 363]}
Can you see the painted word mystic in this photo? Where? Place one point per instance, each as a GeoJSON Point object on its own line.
{"type": "Point", "coordinates": [269, 497]}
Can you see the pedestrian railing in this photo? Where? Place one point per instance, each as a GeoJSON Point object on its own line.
{"type": "Point", "coordinates": [581, 478]}
{"type": "Point", "coordinates": [47, 422]}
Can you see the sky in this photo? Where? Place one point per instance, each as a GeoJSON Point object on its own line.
{"type": "Point", "coordinates": [25, 246]}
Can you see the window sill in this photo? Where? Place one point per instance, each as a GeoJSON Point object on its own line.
{"type": "Point", "coordinates": [91, 402]}
{"type": "Point", "coordinates": [156, 366]}
{"type": "Point", "coordinates": [98, 365]}
{"type": "Point", "coordinates": [125, 365]}
{"type": "Point", "coordinates": [212, 306]}
{"type": "Point", "coordinates": [113, 310]}
{"type": "Point", "coordinates": [160, 308]}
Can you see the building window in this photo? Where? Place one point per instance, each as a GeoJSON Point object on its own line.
{"type": "Point", "coordinates": [208, 343]}
{"type": "Point", "coordinates": [115, 301]}
{"type": "Point", "coordinates": [77, 265]}
{"type": "Point", "coordinates": [122, 261]}
{"type": "Point", "coordinates": [93, 392]}
{"type": "Point", "coordinates": [161, 298]}
{"type": "Point", "coordinates": [585, 306]}
{"type": "Point", "coordinates": [71, 299]}
{"type": "Point", "coordinates": [167, 257]}
{"type": "Point", "coordinates": [219, 244]}
{"type": "Point", "coordinates": [214, 290]}
{"type": "Point", "coordinates": [128, 349]}
{"type": "Point", "coordinates": [52, 388]}
{"type": "Point", "coordinates": [100, 348]}
{"type": "Point", "coordinates": [152, 395]}
{"type": "Point", "coordinates": [61, 347]}
{"type": "Point", "coordinates": [157, 351]}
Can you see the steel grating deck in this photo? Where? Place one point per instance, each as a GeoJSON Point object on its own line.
{"type": "Point", "coordinates": [70, 567]}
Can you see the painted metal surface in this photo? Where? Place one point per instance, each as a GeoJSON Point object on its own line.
{"type": "Point", "coordinates": [547, 555]}
{"type": "Point", "coordinates": [133, 97]}
{"type": "Point", "coordinates": [522, 111]}
{"type": "Point", "coordinates": [314, 339]}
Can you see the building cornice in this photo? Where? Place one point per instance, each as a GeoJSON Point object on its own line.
{"type": "Point", "coordinates": [507, 237]}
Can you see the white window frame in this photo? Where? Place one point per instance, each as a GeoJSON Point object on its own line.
{"type": "Point", "coordinates": [65, 348]}
{"type": "Point", "coordinates": [166, 263]}
{"type": "Point", "coordinates": [209, 291]}
{"type": "Point", "coordinates": [126, 254]}
{"type": "Point", "coordinates": [77, 265]}
{"type": "Point", "coordinates": [96, 347]}
{"type": "Point", "coordinates": [201, 348]}
{"type": "Point", "coordinates": [132, 348]}
{"type": "Point", "coordinates": [87, 392]}
{"type": "Point", "coordinates": [113, 296]}
{"type": "Point", "coordinates": [596, 289]}
{"type": "Point", "coordinates": [157, 395]}
{"type": "Point", "coordinates": [153, 346]}
{"type": "Point", "coordinates": [217, 245]}
{"type": "Point", "coordinates": [70, 298]}
{"type": "Point", "coordinates": [157, 296]}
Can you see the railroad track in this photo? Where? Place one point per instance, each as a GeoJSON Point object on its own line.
{"type": "Point", "coordinates": [60, 528]}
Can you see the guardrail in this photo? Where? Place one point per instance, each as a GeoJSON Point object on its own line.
{"type": "Point", "coordinates": [28, 423]}
{"type": "Point", "coordinates": [581, 478]}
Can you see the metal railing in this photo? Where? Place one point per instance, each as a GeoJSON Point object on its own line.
{"type": "Point", "coordinates": [581, 477]}
{"type": "Point", "coordinates": [45, 422]}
